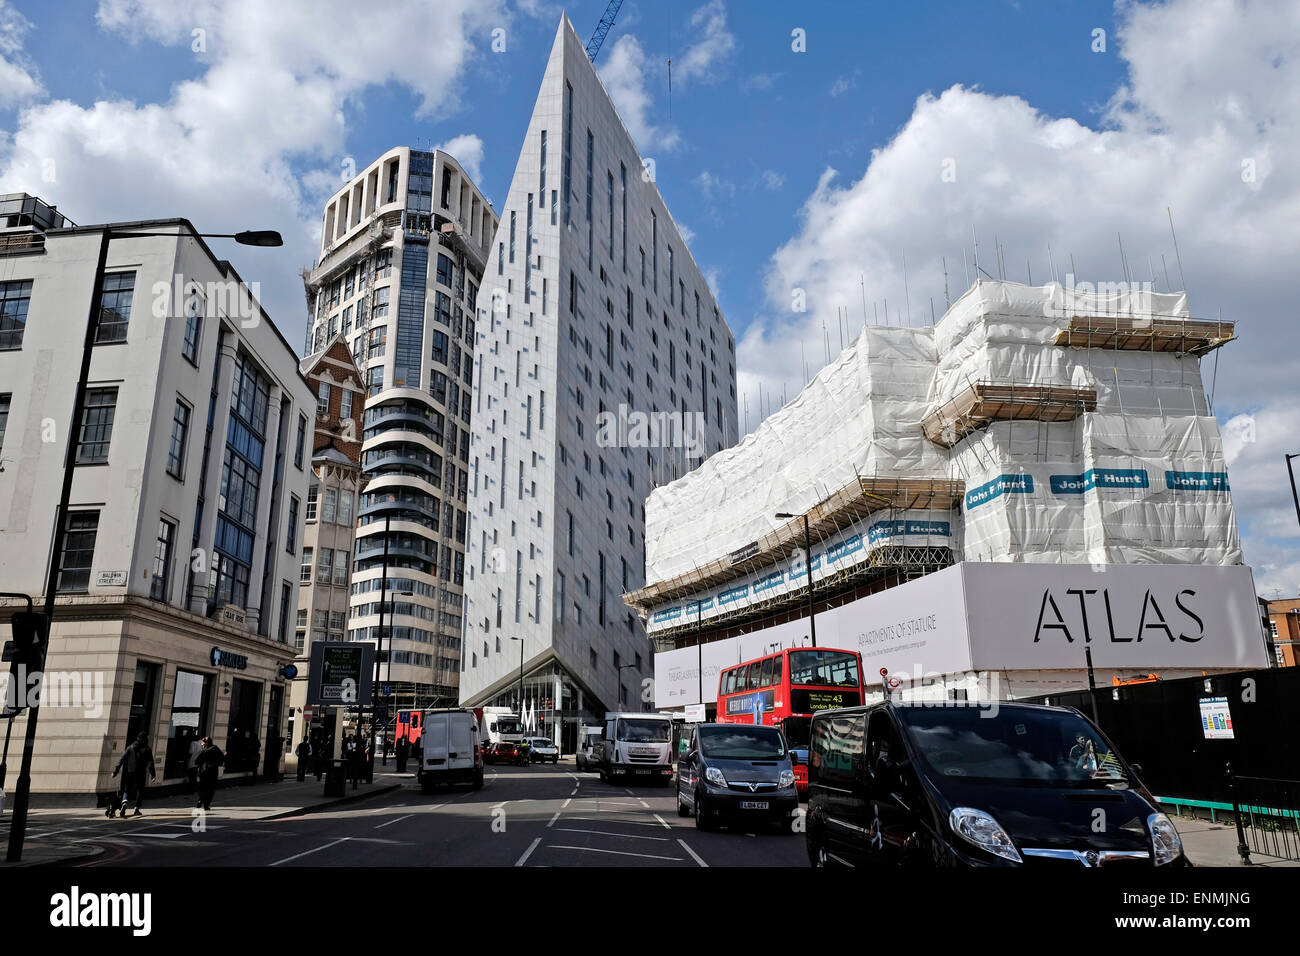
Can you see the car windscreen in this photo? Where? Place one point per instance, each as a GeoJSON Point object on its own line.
{"type": "Point", "coordinates": [824, 669]}
{"type": "Point", "coordinates": [509, 726]}
{"type": "Point", "coordinates": [737, 742]}
{"type": "Point", "coordinates": [643, 731]}
{"type": "Point", "coordinates": [1013, 746]}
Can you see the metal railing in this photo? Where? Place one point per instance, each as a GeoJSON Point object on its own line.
{"type": "Point", "coordinates": [1268, 816]}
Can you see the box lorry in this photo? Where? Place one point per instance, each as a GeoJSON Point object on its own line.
{"type": "Point", "coordinates": [451, 750]}
{"type": "Point", "coordinates": [638, 746]}
{"type": "Point", "coordinates": [499, 725]}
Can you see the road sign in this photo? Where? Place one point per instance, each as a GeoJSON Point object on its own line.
{"type": "Point", "coordinates": [385, 690]}
{"type": "Point", "coordinates": [340, 673]}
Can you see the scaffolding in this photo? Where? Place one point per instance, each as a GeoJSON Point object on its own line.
{"type": "Point", "coordinates": [984, 402]}
{"type": "Point", "coordinates": [1146, 333]}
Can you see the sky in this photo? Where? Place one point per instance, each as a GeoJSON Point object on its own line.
{"type": "Point", "coordinates": [837, 152]}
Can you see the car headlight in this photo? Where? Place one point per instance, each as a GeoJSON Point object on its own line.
{"type": "Point", "coordinates": [787, 779]}
{"type": "Point", "coordinates": [1165, 841]}
{"type": "Point", "coordinates": [977, 827]}
{"type": "Point", "coordinates": [715, 777]}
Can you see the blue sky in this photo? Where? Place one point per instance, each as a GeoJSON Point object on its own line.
{"type": "Point", "coordinates": [815, 170]}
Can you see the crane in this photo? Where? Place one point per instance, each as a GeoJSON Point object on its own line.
{"type": "Point", "coordinates": [602, 29]}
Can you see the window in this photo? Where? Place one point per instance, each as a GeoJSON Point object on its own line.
{"type": "Point", "coordinates": [305, 576]}
{"type": "Point", "coordinates": [291, 535]}
{"type": "Point", "coordinates": [300, 442]}
{"type": "Point", "coordinates": [345, 507]}
{"type": "Point", "coordinates": [78, 550]}
{"type": "Point", "coordinates": [193, 335]}
{"type": "Point", "coordinates": [115, 307]}
{"type": "Point", "coordinates": [384, 263]}
{"type": "Point", "coordinates": [379, 310]}
{"type": "Point", "coordinates": [345, 402]}
{"type": "Point", "coordinates": [439, 347]}
{"type": "Point", "coordinates": [341, 569]}
{"type": "Point", "coordinates": [329, 507]}
{"type": "Point", "coordinates": [14, 300]}
{"type": "Point", "coordinates": [180, 433]}
{"type": "Point", "coordinates": [162, 560]}
{"type": "Point", "coordinates": [444, 270]}
{"type": "Point", "coordinates": [4, 417]}
{"type": "Point", "coordinates": [325, 566]}
{"type": "Point", "coordinates": [286, 594]}
{"type": "Point", "coordinates": [323, 398]}
{"type": "Point", "coordinates": [312, 494]}
{"type": "Point", "coordinates": [96, 426]}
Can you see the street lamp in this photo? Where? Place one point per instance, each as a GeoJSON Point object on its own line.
{"type": "Point", "coordinates": [263, 237]}
{"type": "Point", "coordinates": [807, 547]}
{"type": "Point", "coordinates": [1294, 496]}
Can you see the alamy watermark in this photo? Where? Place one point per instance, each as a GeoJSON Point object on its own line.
{"type": "Point", "coordinates": [79, 690]}
{"type": "Point", "coordinates": [637, 429]}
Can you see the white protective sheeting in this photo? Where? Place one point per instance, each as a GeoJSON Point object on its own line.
{"type": "Point", "coordinates": [1141, 480]}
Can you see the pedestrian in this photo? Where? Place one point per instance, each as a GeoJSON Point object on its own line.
{"type": "Point", "coordinates": [303, 753]}
{"type": "Point", "coordinates": [191, 769]}
{"type": "Point", "coordinates": [136, 762]}
{"type": "Point", "coordinates": [274, 749]}
{"type": "Point", "coordinates": [209, 763]}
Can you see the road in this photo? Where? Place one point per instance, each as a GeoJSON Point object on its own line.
{"type": "Point", "coordinates": [523, 816]}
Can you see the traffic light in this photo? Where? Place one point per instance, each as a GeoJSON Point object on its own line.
{"type": "Point", "coordinates": [30, 635]}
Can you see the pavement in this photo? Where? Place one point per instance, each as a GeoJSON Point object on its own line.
{"type": "Point", "coordinates": [63, 835]}
{"type": "Point", "coordinates": [1215, 844]}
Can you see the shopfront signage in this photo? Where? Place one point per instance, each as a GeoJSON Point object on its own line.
{"type": "Point", "coordinates": [229, 659]}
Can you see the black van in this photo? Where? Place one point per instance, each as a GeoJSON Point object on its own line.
{"type": "Point", "coordinates": [735, 773]}
{"type": "Point", "coordinates": [970, 785]}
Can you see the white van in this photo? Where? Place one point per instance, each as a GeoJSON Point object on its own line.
{"type": "Point", "coordinates": [451, 751]}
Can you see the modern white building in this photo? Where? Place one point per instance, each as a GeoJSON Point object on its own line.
{"type": "Point", "coordinates": [603, 367]}
{"type": "Point", "coordinates": [403, 248]}
{"type": "Point", "coordinates": [178, 579]}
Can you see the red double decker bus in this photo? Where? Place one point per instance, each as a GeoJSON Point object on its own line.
{"type": "Point", "coordinates": [786, 688]}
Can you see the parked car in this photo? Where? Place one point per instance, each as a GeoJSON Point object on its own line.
{"type": "Point", "coordinates": [542, 749]}
{"type": "Point", "coordinates": [736, 773]}
{"type": "Point", "coordinates": [901, 784]}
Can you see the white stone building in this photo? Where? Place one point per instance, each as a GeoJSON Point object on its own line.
{"type": "Point", "coordinates": [179, 575]}
{"type": "Point", "coordinates": [598, 338]}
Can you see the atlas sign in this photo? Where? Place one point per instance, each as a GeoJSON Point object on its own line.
{"type": "Point", "coordinates": [1089, 613]}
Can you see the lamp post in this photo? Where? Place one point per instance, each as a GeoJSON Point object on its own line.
{"type": "Point", "coordinates": [265, 237]}
{"type": "Point", "coordinates": [807, 548]}
{"type": "Point", "coordinates": [1294, 496]}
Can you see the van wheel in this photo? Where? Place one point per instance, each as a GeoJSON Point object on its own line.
{"type": "Point", "coordinates": [478, 781]}
{"type": "Point", "coordinates": [702, 821]}
{"type": "Point", "coordinates": [426, 785]}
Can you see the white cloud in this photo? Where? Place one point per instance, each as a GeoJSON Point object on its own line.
{"type": "Point", "coordinates": [841, 85]}
{"type": "Point", "coordinates": [1203, 124]}
{"type": "Point", "coordinates": [467, 148]}
{"type": "Point", "coordinates": [227, 149]}
{"type": "Point", "coordinates": [772, 180]}
{"type": "Point", "coordinates": [712, 49]}
{"type": "Point", "coordinates": [759, 82]}
{"type": "Point", "coordinates": [686, 232]}
{"type": "Point", "coordinates": [713, 187]}
{"type": "Point", "coordinates": [18, 79]}
{"type": "Point", "coordinates": [623, 71]}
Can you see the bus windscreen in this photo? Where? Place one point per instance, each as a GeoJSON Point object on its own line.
{"type": "Point", "coordinates": [824, 669]}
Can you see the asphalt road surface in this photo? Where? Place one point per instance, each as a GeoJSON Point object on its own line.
{"type": "Point", "coordinates": [523, 816]}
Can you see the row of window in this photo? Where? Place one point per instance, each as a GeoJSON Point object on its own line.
{"type": "Point", "coordinates": [334, 507]}
{"type": "Point", "coordinates": [332, 567]}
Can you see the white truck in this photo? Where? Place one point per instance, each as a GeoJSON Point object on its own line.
{"type": "Point", "coordinates": [588, 738]}
{"type": "Point", "coordinates": [450, 752]}
{"type": "Point", "coordinates": [639, 746]}
{"type": "Point", "coordinates": [499, 725]}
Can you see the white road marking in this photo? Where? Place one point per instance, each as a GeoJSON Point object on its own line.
{"type": "Point", "coordinates": [630, 823]}
{"type": "Point", "coordinates": [592, 849]}
{"type": "Point", "coordinates": [529, 852]}
{"type": "Point", "coordinates": [621, 836]}
{"type": "Point", "coordinates": [553, 819]}
{"type": "Point", "coordinates": [663, 821]}
{"type": "Point", "coordinates": [695, 856]}
{"type": "Point", "coordinates": [397, 820]}
{"type": "Point", "coordinates": [296, 856]}
{"type": "Point", "coordinates": [386, 809]}
{"type": "Point", "coordinates": [644, 804]}
{"type": "Point", "coordinates": [565, 804]}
